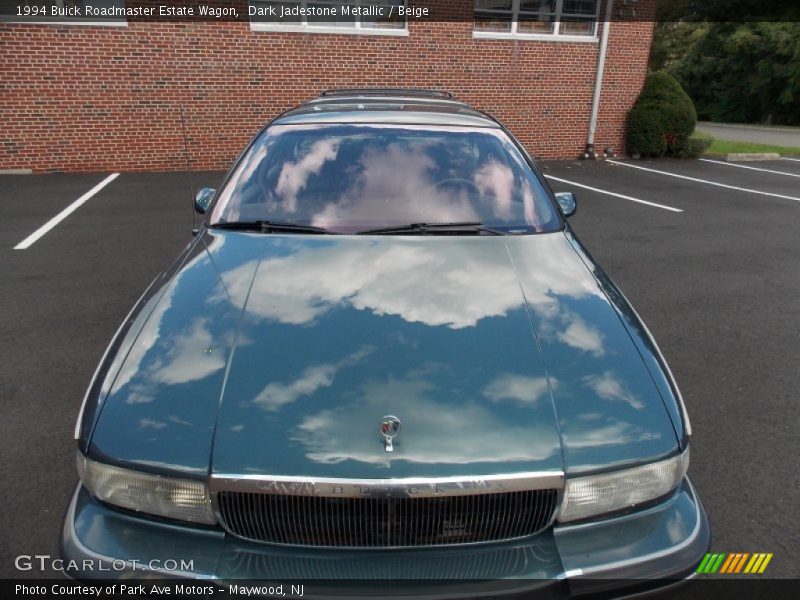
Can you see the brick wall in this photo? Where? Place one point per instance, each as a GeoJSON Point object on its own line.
{"type": "Point", "coordinates": [81, 98]}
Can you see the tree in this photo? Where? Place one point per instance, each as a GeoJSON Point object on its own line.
{"type": "Point", "coordinates": [671, 39]}
{"type": "Point", "coordinates": [743, 71]}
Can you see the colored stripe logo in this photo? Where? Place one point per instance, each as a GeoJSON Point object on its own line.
{"type": "Point", "coordinates": [734, 563]}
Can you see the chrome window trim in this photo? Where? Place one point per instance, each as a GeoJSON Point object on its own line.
{"type": "Point", "coordinates": [558, 14]}
{"type": "Point", "coordinates": [410, 487]}
{"type": "Point", "coordinates": [268, 27]}
{"type": "Point", "coordinates": [302, 25]}
{"type": "Point", "coordinates": [534, 37]}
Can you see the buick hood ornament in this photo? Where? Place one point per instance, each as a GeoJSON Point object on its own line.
{"type": "Point", "coordinates": [390, 427]}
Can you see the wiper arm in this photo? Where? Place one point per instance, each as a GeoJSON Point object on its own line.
{"type": "Point", "coordinates": [457, 226]}
{"type": "Point", "coordinates": [270, 227]}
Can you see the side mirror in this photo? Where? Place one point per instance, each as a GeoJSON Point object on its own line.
{"type": "Point", "coordinates": [203, 199]}
{"type": "Point", "coordinates": [567, 202]}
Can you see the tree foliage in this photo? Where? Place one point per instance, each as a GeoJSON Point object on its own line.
{"type": "Point", "coordinates": [743, 71]}
{"type": "Point", "coordinates": [741, 11]}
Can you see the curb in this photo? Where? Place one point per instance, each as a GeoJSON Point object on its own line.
{"type": "Point", "coordinates": [15, 171]}
{"type": "Point", "coordinates": [745, 156]}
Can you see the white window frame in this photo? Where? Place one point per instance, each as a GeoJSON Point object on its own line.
{"type": "Point", "coordinates": [304, 27]}
{"type": "Point", "coordinates": [556, 36]}
{"type": "Point", "coordinates": [64, 21]}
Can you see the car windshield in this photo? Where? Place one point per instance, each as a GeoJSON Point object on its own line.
{"type": "Point", "coordinates": [348, 178]}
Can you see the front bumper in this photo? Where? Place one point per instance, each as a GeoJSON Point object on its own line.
{"type": "Point", "coordinates": [654, 546]}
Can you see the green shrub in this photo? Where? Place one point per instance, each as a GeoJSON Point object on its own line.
{"type": "Point", "coordinates": [646, 131]}
{"type": "Point", "coordinates": [697, 144]}
{"type": "Point", "coordinates": [662, 119]}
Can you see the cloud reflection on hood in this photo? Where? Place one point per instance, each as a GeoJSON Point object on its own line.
{"type": "Point", "coordinates": [430, 283]}
{"type": "Point", "coordinates": [612, 433]}
{"type": "Point", "coordinates": [579, 334]}
{"type": "Point", "coordinates": [349, 431]}
{"type": "Point", "coordinates": [610, 387]}
{"type": "Point", "coordinates": [188, 355]}
{"type": "Point", "coordinates": [178, 355]}
{"type": "Point", "coordinates": [277, 394]}
{"type": "Point", "coordinates": [518, 388]}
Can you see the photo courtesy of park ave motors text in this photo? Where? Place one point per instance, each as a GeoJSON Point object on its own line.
{"type": "Point", "coordinates": [394, 299]}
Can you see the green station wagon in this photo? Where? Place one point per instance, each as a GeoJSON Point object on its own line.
{"type": "Point", "coordinates": [385, 356]}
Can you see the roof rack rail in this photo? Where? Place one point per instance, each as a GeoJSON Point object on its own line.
{"type": "Point", "coordinates": [387, 91]}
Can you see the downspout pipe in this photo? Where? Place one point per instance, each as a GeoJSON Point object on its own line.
{"type": "Point", "coordinates": [598, 82]}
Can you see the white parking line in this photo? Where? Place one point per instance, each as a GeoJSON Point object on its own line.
{"type": "Point", "coordinates": [31, 239]}
{"type": "Point", "coordinates": [717, 183]}
{"type": "Point", "coordinates": [624, 197]}
{"type": "Point", "coordinates": [729, 164]}
{"type": "Point", "coordinates": [787, 158]}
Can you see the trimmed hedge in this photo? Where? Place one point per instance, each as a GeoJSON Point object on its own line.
{"type": "Point", "coordinates": [662, 119]}
{"type": "Point", "coordinates": [697, 144]}
{"type": "Point", "coordinates": [646, 131]}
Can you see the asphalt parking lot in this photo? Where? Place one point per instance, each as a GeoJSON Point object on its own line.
{"type": "Point", "coordinates": [708, 253]}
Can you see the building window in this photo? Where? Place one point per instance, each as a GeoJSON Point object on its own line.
{"type": "Point", "coordinates": [64, 12]}
{"type": "Point", "coordinates": [369, 17]}
{"type": "Point", "coordinates": [535, 19]}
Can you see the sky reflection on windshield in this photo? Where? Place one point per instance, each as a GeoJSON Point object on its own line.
{"type": "Point", "coordinates": [350, 177]}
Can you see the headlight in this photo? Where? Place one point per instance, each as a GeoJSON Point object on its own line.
{"type": "Point", "coordinates": [171, 497]}
{"type": "Point", "coordinates": [608, 492]}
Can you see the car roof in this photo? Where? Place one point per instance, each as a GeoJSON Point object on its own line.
{"type": "Point", "coordinates": [387, 106]}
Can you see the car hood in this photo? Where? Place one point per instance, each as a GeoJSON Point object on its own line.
{"type": "Point", "coordinates": [280, 354]}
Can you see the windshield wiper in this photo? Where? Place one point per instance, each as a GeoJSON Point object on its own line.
{"type": "Point", "coordinates": [270, 227]}
{"type": "Point", "coordinates": [422, 228]}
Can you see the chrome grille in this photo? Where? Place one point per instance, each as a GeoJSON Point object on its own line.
{"type": "Point", "coordinates": [375, 522]}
